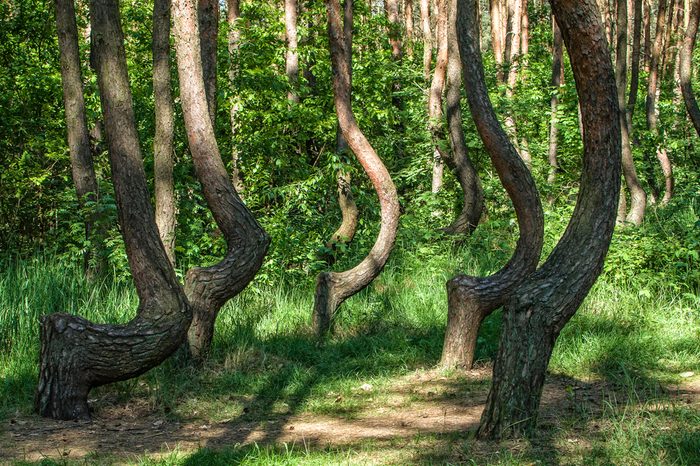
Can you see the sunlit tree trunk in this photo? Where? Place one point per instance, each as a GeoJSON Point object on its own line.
{"type": "Point", "coordinates": [292, 56]}
{"type": "Point", "coordinates": [408, 25]}
{"type": "Point", "coordinates": [427, 39]}
{"type": "Point", "coordinates": [437, 87]}
{"type": "Point", "coordinates": [392, 14]}
{"type": "Point", "coordinates": [499, 14]}
{"type": "Point", "coordinates": [689, 39]}
{"type": "Point", "coordinates": [208, 15]}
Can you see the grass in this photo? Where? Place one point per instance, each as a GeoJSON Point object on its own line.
{"type": "Point", "coordinates": [634, 335]}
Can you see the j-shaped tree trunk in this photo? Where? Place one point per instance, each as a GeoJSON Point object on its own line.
{"type": "Point", "coordinates": [166, 211]}
{"type": "Point", "coordinates": [208, 288]}
{"type": "Point", "coordinates": [471, 299]}
{"type": "Point", "coordinates": [78, 355]}
{"type": "Point", "coordinates": [539, 308]}
{"type": "Point", "coordinates": [332, 288]}
{"type": "Point", "coordinates": [292, 54]}
{"type": "Point", "coordinates": [427, 38]}
{"type": "Point", "coordinates": [557, 79]}
{"type": "Point", "coordinates": [638, 197]}
{"type": "Point", "coordinates": [437, 87]}
{"type": "Point", "coordinates": [348, 208]}
{"type": "Point", "coordinates": [82, 167]}
{"type": "Point", "coordinates": [467, 176]}
{"type": "Point", "coordinates": [691, 32]}
{"type": "Point", "coordinates": [208, 15]}
{"type": "Point", "coordinates": [233, 14]}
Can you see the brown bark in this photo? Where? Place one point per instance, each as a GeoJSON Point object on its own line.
{"type": "Point", "coordinates": [437, 87]}
{"type": "Point", "coordinates": [636, 51]}
{"type": "Point", "coordinates": [208, 15]}
{"type": "Point", "coordinates": [498, 13]}
{"type": "Point", "coordinates": [392, 14]}
{"type": "Point", "coordinates": [557, 78]}
{"type": "Point", "coordinates": [513, 43]}
{"type": "Point", "coordinates": [525, 30]}
{"type": "Point", "coordinates": [467, 176]}
{"type": "Point", "coordinates": [408, 25]}
{"type": "Point", "coordinates": [77, 355]}
{"type": "Point", "coordinates": [471, 299]}
{"type": "Point", "coordinates": [689, 39]}
{"type": "Point", "coordinates": [541, 306]}
{"type": "Point", "coordinates": [638, 197]}
{"type": "Point", "coordinates": [332, 288]}
{"type": "Point", "coordinates": [165, 124]}
{"type": "Point", "coordinates": [427, 39]}
{"type": "Point", "coordinates": [80, 149]}
{"type": "Point", "coordinates": [292, 55]}
{"type": "Point", "coordinates": [208, 288]}
{"type": "Point", "coordinates": [667, 47]}
{"type": "Point", "coordinates": [233, 14]}
{"type": "Point", "coordinates": [646, 20]}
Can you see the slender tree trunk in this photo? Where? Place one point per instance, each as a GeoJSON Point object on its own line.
{"type": "Point", "coordinates": [392, 14]}
{"type": "Point", "coordinates": [208, 288]}
{"type": "Point", "coordinates": [82, 168]}
{"type": "Point", "coordinates": [667, 47]}
{"type": "Point", "coordinates": [292, 57]}
{"type": "Point", "coordinates": [646, 20]}
{"type": "Point", "coordinates": [332, 288]}
{"type": "Point", "coordinates": [557, 78]}
{"type": "Point", "coordinates": [437, 87]}
{"type": "Point", "coordinates": [427, 39]}
{"type": "Point", "coordinates": [471, 299]}
{"type": "Point", "coordinates": [543, 303]}
{"type": "Point", "coordinates": [467, 176]}
{"type": "Point", "coordinates": [525, 28]}
{"type": "Point", "coordinates": [638, 197]}
{"type": "Point", "coordinates": [513, 43]}
{"type": "Point", "coordinates": [233, 14]}
{"type": "Point", "coordinates": [636, 51]}
{"type": "Point", "coordinates": [408, 21]}
{"type": "Point", "coordinates": [691, 32]}
{"type": "Point", "coordinates": [498, 13]}
{"type": "Point", "coordinates": [165, 125]}
{"type": "Point", "coordinates": [208, 15]}
{"type": "Point", "coordinates": [77, 355]}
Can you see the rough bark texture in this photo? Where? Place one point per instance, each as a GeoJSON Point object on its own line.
{"type": "Point", "coordinates": [77, 355]}
{"type": "Point", "coordinates": [427, 37]}
{"type": "Point", "coordinates": [208, 15]}
{"type": "Point", "coordinates": [541, 306]}
{"type": "Point", "coordinates": [691, 32]}
{"type": "Point", "coordinates": [166, 213]}
{"type": "Point", "coordinates": [636, 52]}
{"type": "Point", "coordinates": [470, 299]}
{"type": "Point", "coordinates": [233, 13]}
{"type": "Point", "coordinates": [437, 87]}
{"type": "Point", "coordinates": [82, 168]}
{"type": "Point", "coordinates": [332, 288]}
{"type": "Point", "coordinates": [557, 78]}
{"type": "Point", "coordinates": [292, 55]}
{"type": "Point", "coordinates": [208, 288]}
{"type": "Point", "coordinates": [467, 176]}
{"type": "Point", "coordinates": [638, 197]}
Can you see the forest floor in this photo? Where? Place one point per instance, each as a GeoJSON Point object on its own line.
{"type": "Point", "coordinates": [425, 417]}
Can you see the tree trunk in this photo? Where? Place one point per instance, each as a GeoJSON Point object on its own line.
{"type": "Point", "coordinates": [408, 20]}
{"type": "Point", "coordinates": [165, 126]}
{"type": "Point", "coordinates": [467, 176]}
{"type": "Point", "coordinates": [691, 32]}
{"type": "Point", "coordinates": [470, 299]}
{"type": "Point", "coordinates": [541, 306]}
{"type": "Point", "coordinates": [437, 87]}
{"type": "Point", "coordinates": [332, 288]}
{"type": "Point", "coordinates": [208, 15]}
{"type": "Point", "coordinates": [646, 20]}
{"type": "Point", "coordinates": [77, 355]}
{"type": "Point", "coordinates": [427, 39]}
{"type": "Point", "coordinates": [636, 51]}
{"type": "Point", "coordinates": [208, 288]}
{"type": "Point", "coordinates": [292, 56]}
{"type": "Point", "coordinates": [233, 14]}
{"type": "Point", "coordinates": [392, 15]}
{"type": "Point", "coordinates": [498, 13]}
{"type": "Point", "coordinates": [638, 197]}
{"type": "Point", "coordinates": [513, 43]}
{"type": "Point", "coordinates": [557, 78]}
{"type": "Point", "coordinates": [82, 168]}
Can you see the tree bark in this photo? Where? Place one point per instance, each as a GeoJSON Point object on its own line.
{"type": "Point", "coordinates": [636, 52]}
{"type": "Point", "coordinates": [78, 355]}
{"type": "Point", "coordinates": [408, 20]}
{"type": "Point", "coordinates": [292, 56]}
{"type": "Point", "coordinates": [471, 299]}
{"type": "Point", "coordinates": [557, 78]}
{"type": "Point", "coordinates": [537, 311]}
{"type": "Point", "coordinates": [332, 288]}
{"type": "Point", "coordinates": [498, 13]}
{"type": "Point", "coordinates": [166, 213]}
{"type": "Point", "coordinates": [638, 197]}
{"type": "Point", "coordinates": [82, 168]}
{"type": "Point", "coordinates": [437, 87]}
{"type": "Point", "coordinates": [208, 288]}
{"type": "Point", "coordinates": [646, 20]}
{"type": "Point", "coordinates": [427, 38]}
{"type": "Point", "coordinates": [467, 176]}
{"type": "Point", "coordinates": [208, 15]}
{"type": "Point", "coordinates": [233, 14]}
{"type": "Point", "coordinates": [392, 14]}
{"type": "Point", "coordinates": [689, 39]}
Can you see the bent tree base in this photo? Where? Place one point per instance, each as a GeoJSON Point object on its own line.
{"type": "Point", "coordinates": [326, 302]}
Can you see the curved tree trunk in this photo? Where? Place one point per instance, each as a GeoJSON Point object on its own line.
{"type": "Point", "coordinates": [467, 176]}
{"type": "Point", "coordinates": [208, 288]}
{"type": "Point", "coordinates": [166, 217]}
{"type": "Point", "coordinates": [427, 37]}
{"type": "Point", "coordinates": [292, 55]}
{"type": "Point", "coordinates": [691, 32]}
{"type": "Point", "coordinates": [208, 15]}
{"type": "Point", "coordinates": [471, 299]}
{"type": "Point", "coordinates": [77, 355]}
{"type": "Point", "coordinates": [557, 78]}
{"type": "Point", "coordinates": [332, 288]}
{"type": "Point", "coordinates": [233, 13]}
{"type": "Point", "coordinates": [437, 87]}
{"type": "Point", "coordinates": [82, 168]}
{"type": "Point", "coordinates": [541, 306]}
